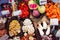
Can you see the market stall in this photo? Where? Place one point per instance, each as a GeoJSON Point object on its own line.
{"type": "Point", "coordinates": [29, 20]}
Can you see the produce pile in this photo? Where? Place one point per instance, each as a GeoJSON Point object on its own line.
{"type": "Point", "coordinates": [52, 10]}
{"type": "Point", "coordinates": [29, 20]}
{"type": "Point", "coordinates": [14, 28]}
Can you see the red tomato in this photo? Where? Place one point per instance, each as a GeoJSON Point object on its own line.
{"type": "Point", "coordinates": [24, 14]}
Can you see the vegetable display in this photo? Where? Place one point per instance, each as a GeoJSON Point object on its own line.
{"type": "Point", "coordinates": [52, 10]}
{"type": "Point", "coordinates": [24, 8]}
{"type": "Point", "coordinates": [29, 20]}
{"type": "Point", "coordinates": [14, 28]}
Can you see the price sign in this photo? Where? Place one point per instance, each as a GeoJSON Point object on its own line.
{"type": "Point", "coordinates": [5, 12]}
{"type": "Point", "coordinates": [16, 13]}
{"type": "Point", "coordinates": [54, 21]}
{"type": "Point", "coordinates": [42, 2]}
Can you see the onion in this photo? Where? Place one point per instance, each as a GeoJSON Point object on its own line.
{"type": "Point", "coordinates": [30, 29]}
{"type": "Point", "coordinates": [27, 22]}
{"type": "Point", "coordinates": [25, 28]}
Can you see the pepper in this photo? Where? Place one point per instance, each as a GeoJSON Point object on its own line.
{"type": "Point", "coordinates": [24, 14]}
{"type": "Point", "coordinates": [25, 10]}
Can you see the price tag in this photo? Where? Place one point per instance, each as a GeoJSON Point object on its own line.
{"type": "Point", "coordinates": [54, 21]}
{"type": "Point", "coordinates": [42, 2]}
{"type": "Point", "coordinates": [16, 13]}
{"type": "Point", "coordinates": [5, 12]}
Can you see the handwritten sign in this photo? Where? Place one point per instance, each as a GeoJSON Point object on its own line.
{"type": "Point", "coordinates": [54, 21]}
{"type": "Point", "coordinates": [42, 2]}
{"type": "Point", "coordinates": [16, 13]}
{"type": "Point", "coordinates": [5, 12]}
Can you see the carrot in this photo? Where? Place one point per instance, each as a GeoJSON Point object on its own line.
{"type": "Point", "coordinates": [47, 14]}
{"type": "Point", "coordinates": [52, 11]}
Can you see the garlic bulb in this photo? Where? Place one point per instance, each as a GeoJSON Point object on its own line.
{"type": "Point", "coordinates": [25, 34]}
{"type": "Point", "coordinates": [28, 26]}
{"type": "Point", "coordinates": [30, 29]}
{"type": "Point", "coordinates": [27, 22]}
{"type": "Point", "coordinates": [25, 28]}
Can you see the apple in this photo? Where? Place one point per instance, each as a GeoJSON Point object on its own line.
{"type": "Point", "coordinates": [41, 9]}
